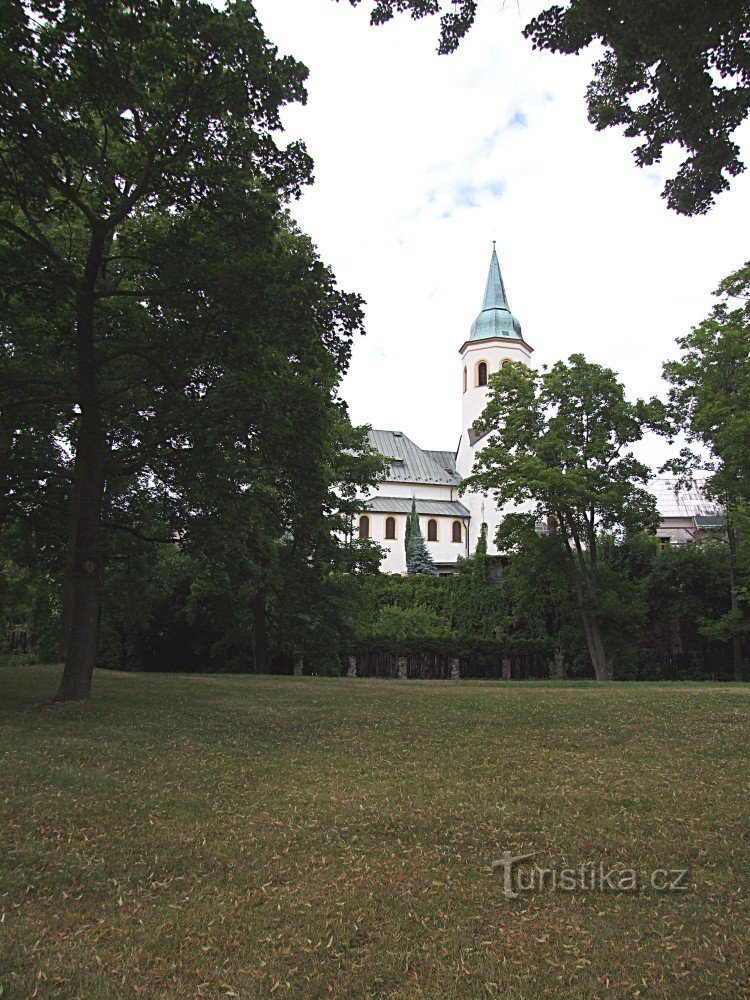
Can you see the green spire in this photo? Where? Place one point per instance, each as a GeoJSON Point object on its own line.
{"type": "Point", "coordinates": [495, 319]}
{"type": "Point", "coordinates": [494, 295]}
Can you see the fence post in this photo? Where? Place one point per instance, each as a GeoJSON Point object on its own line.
{"type": "Point", "coordinates": [352, 671]}
{"type": "Point", "coordinates": [402, 668]}
{"type": "Point", "coordinates": [298, 665]}
{"type": "Point", "coordinates": [455, 669]}
{"type": "Point", "coordinates": [559, 668]}
{"type": "Point", "coordinates": [506, 668]}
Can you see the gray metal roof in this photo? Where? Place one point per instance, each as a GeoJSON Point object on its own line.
{"type": "Point", "coordinates": [411, 464]}
{"type": "Point", "coordinates": [445, 459]}
{"type": "Point", "coordinates": [402, 505]}
{"type": "Point", "coordinates": [674, 500]}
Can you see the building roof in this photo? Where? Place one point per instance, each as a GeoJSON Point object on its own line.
{"type": "Point", "coordinates": [411, 464]}
{"type": "Point", "coordinates": [402, 505]}
{"type": "Point", "coordinates": [495, 319]}
{"type": "Point", "coordinates": [674, 500]}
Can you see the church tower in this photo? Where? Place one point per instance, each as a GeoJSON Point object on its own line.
{"type": "Point", "coordinates": [495, 339]}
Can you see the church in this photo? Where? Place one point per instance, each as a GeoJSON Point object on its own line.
{"type": "Point", "coordinates": [451, 523]}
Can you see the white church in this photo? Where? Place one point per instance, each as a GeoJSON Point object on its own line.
{"type": "Point", "coordinates": [451, 524]}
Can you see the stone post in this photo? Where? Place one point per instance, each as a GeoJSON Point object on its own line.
{"type": "Point", "coordinates": [352, 671]}
{"type": "Point", "coordinates": [559, 667]}
{"type": "Point", "coordinates": [506, 668]}
{"type": "Point", "coordinates": [298, 668]}
{"type": "Point", "coordinates": [402, 668]}
{"type": "Point", "coordinates": [455, 669]}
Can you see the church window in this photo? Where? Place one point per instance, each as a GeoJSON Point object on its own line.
{"type": "Point", "coordinates": [465, 382]}
{"type": "Point", "coordinates": [507, 363]}
{"type": "Point", "coordinates": [364, 526]}
{"type": "Point", "coordinates": [432, 530]}
{"type": "Point", "coordinates": [457, 531]}
{"type": "Point", "coordinates": [390, 527]}
{"type": "Point", "coordinates": [482, 373]}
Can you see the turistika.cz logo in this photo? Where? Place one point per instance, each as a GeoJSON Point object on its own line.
{"type": "Point", "coordinates": [588, 877]}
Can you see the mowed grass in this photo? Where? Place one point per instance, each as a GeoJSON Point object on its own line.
{"type": "Point", "coordinates": [254, 836]}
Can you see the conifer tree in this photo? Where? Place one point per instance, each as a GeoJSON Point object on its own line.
{"type": "Point", "coordinates": [412, 522]}
{"type": "Point", "coordinates": [481, 570]}
{"type": "Point", "coordinates": [418, 559]}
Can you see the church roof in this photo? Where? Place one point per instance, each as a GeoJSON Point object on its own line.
{"type": "Point", "coordinates": [412, 464]}
{"type": "Point", "coordinates": [402, 505]}
{"type": "Point", "coordinates": [495, 319]}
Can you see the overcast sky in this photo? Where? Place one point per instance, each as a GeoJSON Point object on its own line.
{"type": "Point", "coordinates": [422, 160]}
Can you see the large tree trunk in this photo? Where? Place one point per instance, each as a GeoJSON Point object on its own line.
{"type": "Point", "coordinates": [603, 668]}
{"type": "Point", "coordinates": [83, 577]}
{"type": "Point", "coordinates": [66, 614]}
{"type": "Point", "coordinates": [84, 586]}
{"type": "Point", "coordinates": [260, 632]}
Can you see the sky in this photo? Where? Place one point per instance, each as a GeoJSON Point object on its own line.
{"type": "Point", "coordinates": [421, 161]}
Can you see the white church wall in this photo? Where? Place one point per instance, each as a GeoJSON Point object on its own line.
{"type": "Point", "coordinates": [474, 399]}
{"type": "Point", "coordinates": [422, 491]}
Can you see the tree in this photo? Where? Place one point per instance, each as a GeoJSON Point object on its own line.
{"type": "Point", "coordinates": [674, 73]}
{"type": "Point", "coordinates": [480, 568]}
{"type": "Point", "coordinates": [559, 440]}
{"type": "Point", "coordinates": [710, 402]}
{"type": "Point", "coordinates": [155, 301]}
{"type": "Point", "coordinates": [418, 559]}
{"type": "Point", "coordinates": [412, 525]}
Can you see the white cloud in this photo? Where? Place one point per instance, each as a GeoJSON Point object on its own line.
{"type": "Point", "coordinates": [421, 161]}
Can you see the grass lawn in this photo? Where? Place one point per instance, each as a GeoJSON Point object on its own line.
{"type": "Point", "coordinates": [255, 836]}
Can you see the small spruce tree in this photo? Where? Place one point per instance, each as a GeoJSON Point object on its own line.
{"type": "Point", "coordinates": [418, 559]}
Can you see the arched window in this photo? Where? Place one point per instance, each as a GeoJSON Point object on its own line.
{"type": "Point", "coordinates": [482, 373]}
{"type": "Point", "coordinates": [432, 530]}
{"type": "Point", "coordinates": [390, 527]}
{"type": "Point", "coordinates": [457, 531]}
{"type": "Point", "coordinates": [364, 526]}
{"type": "Point", "coordinates": [507, 363]}
{"type": "Point", "coordinates": [465, 380]}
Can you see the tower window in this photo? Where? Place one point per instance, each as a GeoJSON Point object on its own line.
{"type": "Point", "coordinates": [364, 526]}
{"type": "Point", "coordinates": [465, 380]}
{"type": "Point", "coordinates": [390, 527]}
{"type": "Point", "coordinates": [457, 532]}
{"type": "Point", "coordinates": [482, 373]}
{"type": "Point", "coordinates": [507, 363]}
{"type": "Point", "coordinates": [432, 531]}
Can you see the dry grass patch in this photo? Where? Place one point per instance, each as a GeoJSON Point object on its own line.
{"type": "Point", "coordinates": [249, 836]}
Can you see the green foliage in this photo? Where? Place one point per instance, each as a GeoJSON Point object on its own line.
{"type": "Point", "coordinates": [710, 403]}
{"type": "Point", "coordinates": [418, 559]}
{"type": "Point", "coordinates": [412, 526]}
{"type": "Point", "coordinates": [168, 333]}
{"type": "Point", "coordinates": [415, 622]}
{"type": "Point", "coordinates": [559, 443]}
{"type": "Point", "coordinates": [480, 568]}
{"type": "Point", "coordinates": [710, 390]}
{"type": "Point", "coordinates": [673, 74]}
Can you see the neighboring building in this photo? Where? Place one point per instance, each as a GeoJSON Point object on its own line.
{"type": "Point", "coordinates": [451, 524]}
{"type": "Point", "coordinates": [687, 513]}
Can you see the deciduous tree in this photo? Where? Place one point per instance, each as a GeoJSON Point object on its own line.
{"type": "Point", "coordinates": [157, 307]}
{"type": "Point", "coordinates": [710, 401]}
{"type": "Point", "coordinates": [560, 442]}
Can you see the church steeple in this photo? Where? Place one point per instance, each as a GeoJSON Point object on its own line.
{"type": "Point", "coordinates": [495, 319]}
